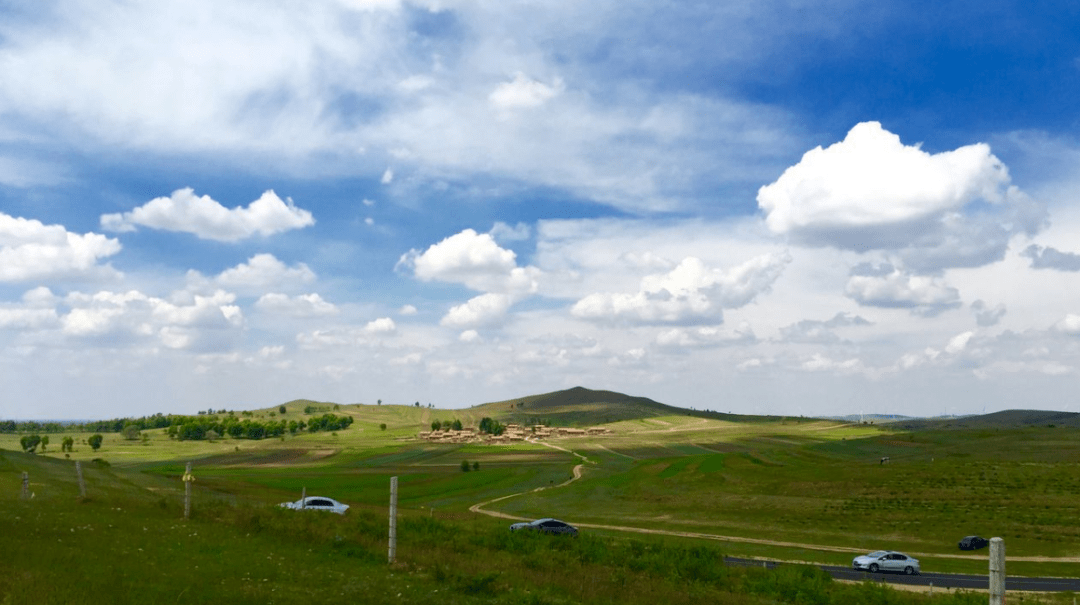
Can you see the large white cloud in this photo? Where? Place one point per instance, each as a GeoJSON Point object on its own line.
{"type": "Point", "coordinates": [468, 257]}
{"type": "Point", "coordinates": [31, 250]}
{"type": "Point", "coordinates": [304, 305]}
{"type": "Point", "coordinates": [478, 262]}
{"type": "Point", "coordinates": [872, 192]}
{"type": "Point", "coordinates": [690, 293]}
{"type": "Point", "coordinates": [206, 218]}
{"type": "Point", "coordinates": [186, 322]}
{"type": "Point", "coordinates": [261, 272]}
{"type": "Point", "coordinates": [480, 311]}
{"type": "Point", "coordinates": [890, 287]}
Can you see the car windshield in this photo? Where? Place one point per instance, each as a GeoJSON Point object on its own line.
{"type": "Point", "coordinates": [877, 553]}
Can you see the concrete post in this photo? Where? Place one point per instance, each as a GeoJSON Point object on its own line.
{"type": "Point", "coordinates": [997, 571]}
{"type": "Point", "coordinates": [78, 474]}
{"type": "Point", "coordinates": [25, 485]}
{"type": "Point", "coordinates": [393, 520]}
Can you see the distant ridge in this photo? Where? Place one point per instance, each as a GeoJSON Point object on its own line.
{"type": "Point", "coordinates": [576, 406]}
{"type": "Point", "coordinates": [581, 406]}
{"type": "Point", "coordinates": [1006, 419]}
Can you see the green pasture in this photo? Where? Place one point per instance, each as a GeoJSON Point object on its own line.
{"type": "Point", "coordinates": [128, 543]}
{"type": "Point", "coordinates": [818, 486]}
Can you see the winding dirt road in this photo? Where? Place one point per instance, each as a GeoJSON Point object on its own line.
{"type": "Point", "coordinates": [578, 472]}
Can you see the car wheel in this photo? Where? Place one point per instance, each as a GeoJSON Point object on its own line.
{"type": "Point", "coordinates": [873, 568]}
{"type": "Point", "coordinates": [909, 570]}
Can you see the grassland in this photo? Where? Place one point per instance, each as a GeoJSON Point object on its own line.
{"type": "Point", "coordinates": [816, 489]}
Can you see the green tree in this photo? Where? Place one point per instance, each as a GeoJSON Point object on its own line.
{"type": "Point", "coordinates": [456, 425]}
{"type": "Point", "coordinates": [67, 444]}
{"type": "Point", "coordinates": [383, 426]}
{"type": "Point", "coordinates": [380, 402]}
{"type": "Point", "coordinates": [492, 427]}
{"type": "Point", "coordinates": [44, 442]}
{"type": "Point", "coordinates": [29, 443]}
{"type": "Point", "coordinates": [95, 441]}
{"type": "Point", "coordinates": [436, 425]}
{"type": "Point", "coordinates": [475, 466]}
{"type": "Point", "coordinates": [131, 431]}
{"type": "Point", "coordinates": [465, 466]}
{"type": "Point", "coordinates": [282, 410]}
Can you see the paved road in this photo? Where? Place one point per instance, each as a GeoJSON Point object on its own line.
{"type": "Point", "coordinates": [939, 580]}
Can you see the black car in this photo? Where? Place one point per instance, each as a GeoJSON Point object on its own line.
{"type": "Point", "coordinates": [973, 543]}
{"type": "Point", "coordinates": [546, 526]}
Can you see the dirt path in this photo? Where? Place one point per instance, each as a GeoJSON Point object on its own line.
{"type": "Point", "coordinates": [577, 474]}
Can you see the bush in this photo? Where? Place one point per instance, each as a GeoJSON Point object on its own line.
{"type": "Point", "coordinates": [131, 431]}
{"type": "Point", "coordinates": [95, 441]}
{"type": "Point", "coordinates": [29, 443]}
{"type": "Point", "coordinates": [465, 466]}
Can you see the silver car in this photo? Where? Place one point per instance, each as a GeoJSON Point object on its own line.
{"type": "Point", "coordinates": [886, 560]}
{"type": "Point", "coordinates": [317, 503]}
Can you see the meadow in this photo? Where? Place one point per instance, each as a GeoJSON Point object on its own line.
{"type": "Point", "coordinates": [784, 489]}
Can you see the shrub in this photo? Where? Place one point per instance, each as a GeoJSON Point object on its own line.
{"type": "Point", "coordinates": [465, 466]}
{"type": "Point", "coordinates": [29, 443]}
{"type": "Point", "coordinates": [95, 441]}
{"type": "Point", "coordinates": [131, 431]}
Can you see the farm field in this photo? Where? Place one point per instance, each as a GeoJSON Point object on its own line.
{"type": "Point", "coordinates": [786, 489]}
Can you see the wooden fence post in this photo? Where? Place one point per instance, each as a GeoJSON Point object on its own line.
{"type": "Point", "coordinates": [393, 519]}
{"type": "Point", "coordinates": [82, 484]}
{"type": "Point", "coordinates": [997, 571]}
{"type": "Point", "coordinates": [25, 485]}
{"type": "Point", "coordinates": [188, 478]}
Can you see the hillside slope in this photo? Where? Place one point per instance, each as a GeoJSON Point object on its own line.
{"type": "Point", "coordinates": [576, 406]}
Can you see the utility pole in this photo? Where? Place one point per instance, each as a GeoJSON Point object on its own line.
{"type": "Point", "coordinates": [997, 571]}
{"type": "Point", "coordinates": [393, 519]}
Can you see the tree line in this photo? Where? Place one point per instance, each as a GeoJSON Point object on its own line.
{"type": "Point", "coordinates": [184, 428]}
{"type": "Point", "coordinates": [213, 427]}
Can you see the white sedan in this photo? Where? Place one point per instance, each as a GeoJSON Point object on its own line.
{"type": "Point", "coordinates": [886, 560]}
{"type": "Point", "coordinates": [317, 503]}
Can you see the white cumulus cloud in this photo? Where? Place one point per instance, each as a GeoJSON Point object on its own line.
{"type": "Point", "coordinates": [483, 310]}
{"type": "Point", "coordinates": [690, 293]}
{"type": "Point", "coordinates": [206, 218]}
{"type": "Point", "coordinates": [524, 92]}
{"type": "Point", "coordinates": [304, 305]}
{"type": "Point", "coordinates": [261, 272]}
{"type": "Point", "coordinates": [31, 250]}
{"type": "Point", "coordinates": [870, 191]}
{"type": "Point", "coordinates": [894, 288]}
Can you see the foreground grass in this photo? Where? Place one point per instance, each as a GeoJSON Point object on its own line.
{"type": "Point", "coordinates": [128, 544]}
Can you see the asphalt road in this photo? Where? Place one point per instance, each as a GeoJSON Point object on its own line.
{"type": "Point", "coordinates": [939, 580]}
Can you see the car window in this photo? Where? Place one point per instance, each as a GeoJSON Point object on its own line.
{"type": "Point", "coordinates": [319, 503]}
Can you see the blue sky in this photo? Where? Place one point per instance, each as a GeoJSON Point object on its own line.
{"type": "Point", "coordinates": [773, 207]}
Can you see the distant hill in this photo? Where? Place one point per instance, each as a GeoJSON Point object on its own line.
{"type": "Point", "coordinates": [580, 406]}
{"type": "Point", "coordinates": [1007, 419]}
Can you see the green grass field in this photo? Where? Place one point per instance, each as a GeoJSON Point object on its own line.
{"type": "Point", "coordinates": [817, 488]}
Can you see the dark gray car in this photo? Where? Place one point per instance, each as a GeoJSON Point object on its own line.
{"type": "Point", "coordinates": [546, 526]}
{"type": "Point", "coordinates": [973, 543]}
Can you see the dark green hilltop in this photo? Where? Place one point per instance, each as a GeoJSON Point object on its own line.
{"type": "Point", "coordinates": [582, 406]}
